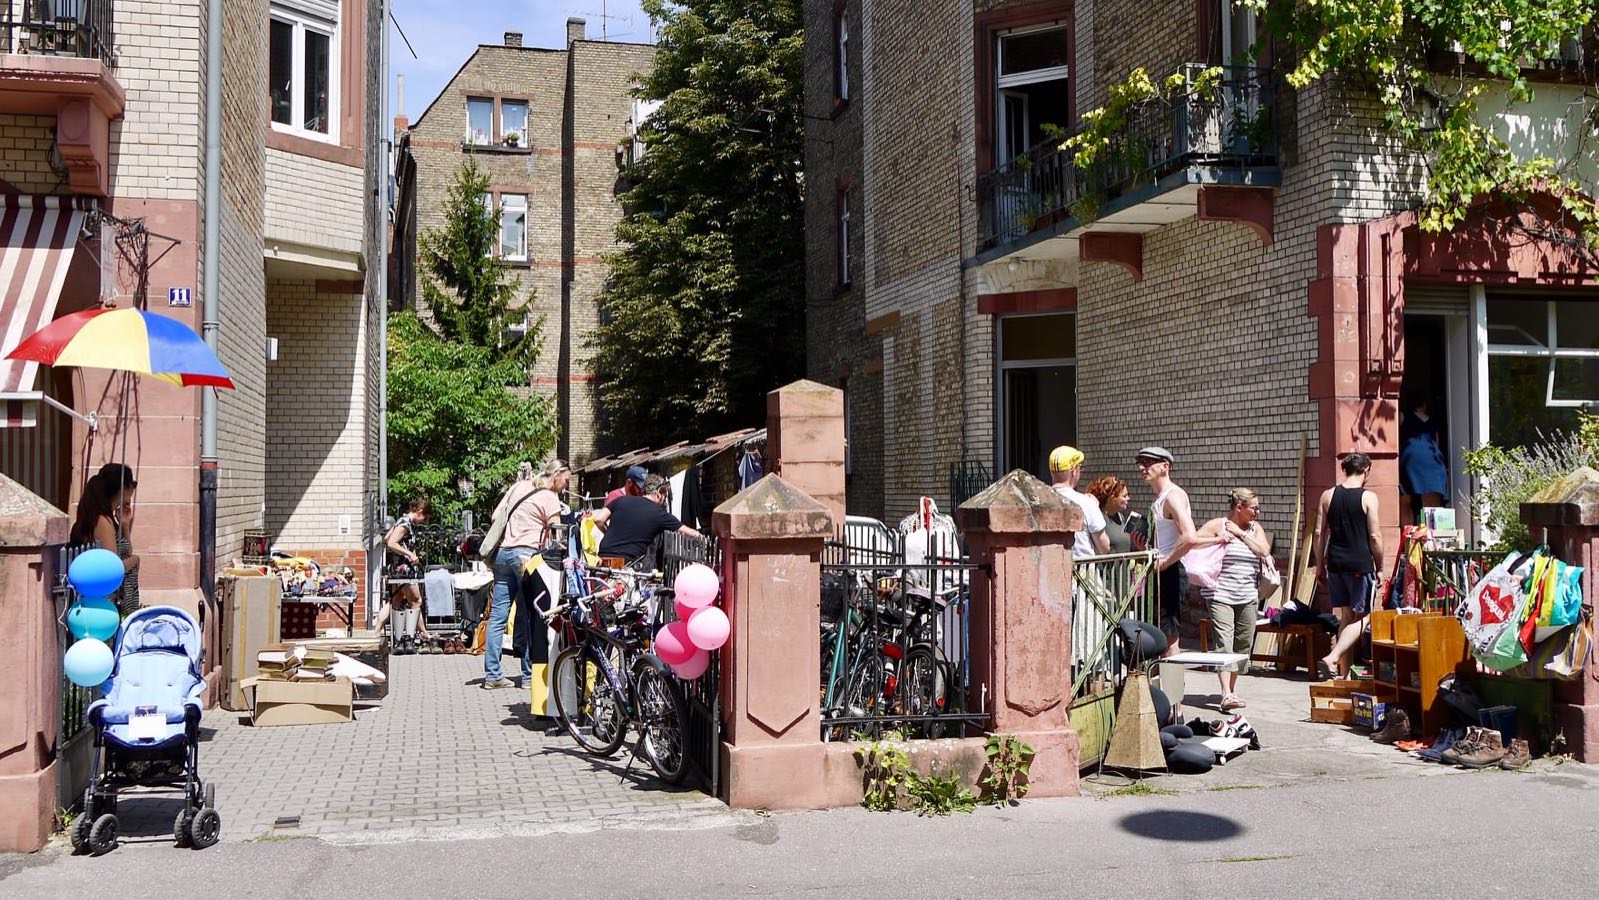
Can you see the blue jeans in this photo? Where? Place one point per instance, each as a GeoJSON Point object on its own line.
{"type": "Point", "coordinates": [507, 580]}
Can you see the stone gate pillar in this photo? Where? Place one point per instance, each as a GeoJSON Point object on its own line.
{"type": "Point", "coordinates": [30, 694]}
{"type": "Point", "coordinates": [771, 535]}
{"type": "Point", "coordinates": [805, 442]}
{"type": "Point", "coordinates": [1019, 535]}
{"type": "Point", "coordinates": [1565, 515]}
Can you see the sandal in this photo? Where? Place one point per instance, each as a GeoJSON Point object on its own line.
{"type": "Point", "coordinates": [1323, 671]}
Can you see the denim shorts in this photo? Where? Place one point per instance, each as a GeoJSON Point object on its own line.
{"type": "Point", "coordinates": [1352, 590]}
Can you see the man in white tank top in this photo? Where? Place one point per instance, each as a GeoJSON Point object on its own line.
{"type": "Point", "coordinates": [1173, 522]}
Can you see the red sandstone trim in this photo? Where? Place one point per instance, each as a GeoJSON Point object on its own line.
{"type": "Point", "coordinates": [882, 323]}
{"type": "Point", "coordinates": [1052, 300]}
{"type": "Point", "coordinates": [1122, 248]}
{"type": "Point", "coordinates": [1248, 206]}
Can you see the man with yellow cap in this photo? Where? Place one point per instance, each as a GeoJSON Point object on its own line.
{"type": "Point", "coordinates": [1065, 467]}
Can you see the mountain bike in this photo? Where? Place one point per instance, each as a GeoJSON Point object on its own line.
{"type": "Point", "coordinates": [605, 681]}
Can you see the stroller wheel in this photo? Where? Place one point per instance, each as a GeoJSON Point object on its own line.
{"type": "Point", "coordinates": [205, 829]}
{"type": "Point", "coordinates": [80, 834]}
{"type": "Point", "coordinates": [103, 835]}
{"type": "Point", "coordinates": [180, 828]}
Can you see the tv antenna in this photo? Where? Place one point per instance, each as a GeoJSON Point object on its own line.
{"type": "Point", "coordinates": [606, 19]}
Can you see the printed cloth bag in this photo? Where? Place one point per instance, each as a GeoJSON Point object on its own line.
{"type": "Point", "coordinates": [1562, 597]}
{"type": "Point", "coordinates": [1491, 602]}
{"type": "Point", "coordinates": [1507, 649]}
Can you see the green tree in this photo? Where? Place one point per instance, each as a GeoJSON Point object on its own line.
{"type": "Point", "coordinates": [460, 413]}
{"type": "Point", "coordinates": [704, 310]}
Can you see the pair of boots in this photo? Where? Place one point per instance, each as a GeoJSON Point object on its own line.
{"type": "Point", "coordinates": [1483, 747]}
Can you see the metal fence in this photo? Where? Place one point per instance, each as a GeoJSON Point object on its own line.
{"type": "Point", "coordinates": [703, 695]}
{"type": "Point", "coordinates": [896, 635]}
{"type": "Point", "coordinates": [1105, 589]}
{"type": "Point", "coordinates": [1229, 124]}
{"type": "Point", "coordinates": [1447, 576]}
{"type": "Point", "coordinates": [75, 700]}
{"type": "Point", "coordinates": [79, 28]}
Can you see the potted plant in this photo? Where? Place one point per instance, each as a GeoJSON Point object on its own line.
{"type": "Point", "coordinates": [513, 139]}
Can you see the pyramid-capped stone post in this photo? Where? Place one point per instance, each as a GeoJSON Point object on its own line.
{"type": "Point", "coordinates": [805, 441]}
{"type": "Point", "coordinates": [1019, 535]}
{"type": "Point", "coordinates": [1565, 515]}
{"type": "Point", "coordinates": [771, 535]}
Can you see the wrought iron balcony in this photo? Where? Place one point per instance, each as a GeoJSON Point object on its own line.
{"type": "Point", "coordinates": [1231, 126]}
{"type": "Point", "coordinates": [80, 28]}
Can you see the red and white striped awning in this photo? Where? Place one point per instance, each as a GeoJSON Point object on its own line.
{"type": "Point", "coordinates": [37, 235]}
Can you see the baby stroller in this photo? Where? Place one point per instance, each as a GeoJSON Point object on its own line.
{"type": "Point", "coordinates": [147, 726]}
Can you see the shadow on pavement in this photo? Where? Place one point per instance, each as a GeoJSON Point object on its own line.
{"type": "Point", "coordinates": [638, 775]}
{"type": "Point", "coordinates": [1175, 825]}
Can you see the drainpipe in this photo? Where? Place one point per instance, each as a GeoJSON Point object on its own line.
{"type": "Point", "coordinates": [386, 146]}
{"type": "Point", "coordinates": [211, 303]}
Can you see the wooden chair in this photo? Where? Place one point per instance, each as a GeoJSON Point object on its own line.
{"type": "Point", "coordinates": [1297, 645]}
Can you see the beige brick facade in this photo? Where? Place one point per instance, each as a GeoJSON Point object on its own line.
{"type": "Point", "coordinates": [314, 203]}
{"type": "Point", "coordinates": [579, 110]}
{"type": "Point", "coordinates": [25, 143]}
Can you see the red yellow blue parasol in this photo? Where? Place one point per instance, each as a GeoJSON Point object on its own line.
{"type": "Point", "coordinates": [129, 340]}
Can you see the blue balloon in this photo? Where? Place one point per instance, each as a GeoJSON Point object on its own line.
{"type": "Point", "coordinates": [96, 573]}
{"type": "Point", "coordinates": [94, 617]}
{"type": "Point", "coordinates": [88, 662]}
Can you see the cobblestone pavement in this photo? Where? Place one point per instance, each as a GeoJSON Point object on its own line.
{"type": "Point", "coordinates": [438, 759]}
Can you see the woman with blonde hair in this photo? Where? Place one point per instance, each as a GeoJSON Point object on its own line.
{"type": "Point", "coordinates": [1233, 602]}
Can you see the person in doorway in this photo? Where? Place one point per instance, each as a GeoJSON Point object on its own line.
{"type": "Point", "coordinates": [105, 517]}
{"type": "Point", "coordinates": [1065, 468]}
{"type": "Point", "coordinates": [632, 487]}
{"type": "Point", "coordinates": [632, 524]}
{"type": "Point", "coordinates": [1232, 603]}
{"type": "Point", "coordinates": [1348, 556]}
{"type": "Point", "coordinates": [1423, 472]}
{"type": "Point", "coordinates": [1173, 521]}
{"type": "Point", "coordinates": [1111, 492]}
{"type": "Point", "coordinates": [530, 506]}
{"type": "Point", "coordinates": [404, 564]}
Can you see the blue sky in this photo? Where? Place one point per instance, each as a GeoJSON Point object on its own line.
{"type": "Point", "coordinates": [444, 33]}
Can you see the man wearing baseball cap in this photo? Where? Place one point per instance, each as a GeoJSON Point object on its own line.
{"type": "Point", "coordinates": [1173, 521]}
{"type": "Point", "coordinates": [1065, 467]}
{"type": "Point", "coordinates": [632, 487]}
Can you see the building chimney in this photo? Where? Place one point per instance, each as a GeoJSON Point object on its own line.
{"type": "Point", "coordinates": [401, 125]}
{"type": "Point", "coordinates": [576, 30]}
{"type": "Point", "coordinates": [513, 39]}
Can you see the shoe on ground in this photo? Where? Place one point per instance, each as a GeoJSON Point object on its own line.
{"type": "Point", "coordinates": [1397, 728]}
{"type": "Point", "coordinates": [1488, 751]}
{"type": "Point", "coordinates": [1519, 755]}
{"type": "Point", "coordinates": [1468, 743]}
{"type": "Point", "coordinates": [497, 683]}
{"type": "Point", "coordinates": [1444, 742]}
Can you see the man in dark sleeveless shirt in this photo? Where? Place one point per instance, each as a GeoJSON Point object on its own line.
{"type": "Point", "coordinates": [1348, 556]}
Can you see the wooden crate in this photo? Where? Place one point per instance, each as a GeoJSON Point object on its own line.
{"type": "Point", "coordinates": [1332, 702]}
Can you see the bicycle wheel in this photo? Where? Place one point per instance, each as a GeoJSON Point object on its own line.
{"type": "Point", "coordinates": [663, 719]}
{"type": "Point", "coordinates": [587, 703]}
{"type": "Point", "coordinates": [922, 689]}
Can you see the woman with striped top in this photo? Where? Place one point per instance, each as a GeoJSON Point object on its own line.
{"type": "Point", "coordinates": [1233, 601]}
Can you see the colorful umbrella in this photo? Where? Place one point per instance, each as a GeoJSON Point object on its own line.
{"type": "Point", "coordinates": [129, 340]}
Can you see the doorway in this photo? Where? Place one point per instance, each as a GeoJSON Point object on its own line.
{"type": "Point", "coordinates": [1038, 389]}
{"type": "Point", "coordinates": [1430, 450]}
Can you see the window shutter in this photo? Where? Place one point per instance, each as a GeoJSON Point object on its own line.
{"type": "Point", "coordinates": [327, 10]}
{"type": "Point", "coordinates": [1207, 14]}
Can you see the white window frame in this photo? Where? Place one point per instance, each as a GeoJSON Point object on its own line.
{"type": "Point", "coordinates": [527, 117]}
{"type": "Point", "coordinates": [1032, 76]}
{"type": "Point", "coordinates": [499, 218]}
{"type": "Point", "coordinates": [1552, 351]}
{"type": "Point", "coordinates": [1003, 151]}
{"type": "Point", "coordinates": [491, 138]}
{"type": "Point", "coordinates": [844, 277]}
{"type": "Point", "coordinates": [841, 62]}
{"type": "Point", "coordinates": [301, 24]}
{"type": "Point", "coordinates": [1228, 51]}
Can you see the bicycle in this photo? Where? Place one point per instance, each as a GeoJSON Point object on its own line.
{"type": "Point", "coordinates": [882, 657]}
{"type": "Point", "coordinates": [605, 682]}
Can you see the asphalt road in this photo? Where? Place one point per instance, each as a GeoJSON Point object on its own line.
{"type": "Point", "coordinates": [1481, 835]}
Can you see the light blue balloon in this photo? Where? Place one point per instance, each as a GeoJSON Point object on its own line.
{"type": "Point", "coordinates": [94, 617]}
{"type": "Point", "coordinates": [96, 573]}
{"type": "Point", "coordinates": [88, 662]}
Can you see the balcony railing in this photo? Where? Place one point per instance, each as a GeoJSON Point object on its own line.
{"type": "Point", "coordinates": [1232, 125]}
{"type": "Point", "coordinates": [80, 28]}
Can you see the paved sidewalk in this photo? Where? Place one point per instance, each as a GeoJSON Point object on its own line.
{"type": "Point", "coordinates": [438, 759]}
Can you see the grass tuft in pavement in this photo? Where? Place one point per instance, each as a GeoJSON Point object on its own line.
{"type": "Point", "coordinates": [1141, 789]}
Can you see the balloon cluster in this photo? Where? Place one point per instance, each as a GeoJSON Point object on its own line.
{"type": "Point", "coordinates": [686, 644]}
{"type": "Point", "coordinates": [93, 620]}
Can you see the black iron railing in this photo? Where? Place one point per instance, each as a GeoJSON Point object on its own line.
{"type": "Point", "coordinates": [1230, 124]}
{"type": "Point", "coordinates": [79, 28]}
{"type": "Point", "coordinates": [703, 695]}
{"type": "Point", "coordinates": [75, 700]}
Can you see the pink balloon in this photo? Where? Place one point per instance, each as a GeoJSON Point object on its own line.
{"type": "Point", "coordinates": [672, 644]}
{"type": "Point", "coordinates": [684, 611]}
{"type": "Point", "coordinates": [695, 667]}
{"type": "Point", "coordinates": [708, 628]}
{"type": "Point", "coordinates": [696, 586]}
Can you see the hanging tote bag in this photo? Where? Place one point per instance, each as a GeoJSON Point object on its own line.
{"type": "Point", "coordinates": [1506, 650]}
{"type": "Point", "coordinates": [1492, 600]}
{"type": "Point", "coordinates": [1203, 565]}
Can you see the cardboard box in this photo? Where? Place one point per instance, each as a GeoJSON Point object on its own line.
{"type": "Point", "coordinates": [367, 650]}
{"type": "Point", "coordinates": [251, 619]}
{"type": "Point", "coordinates": [301, 702]}
{"type": "Point", "coordinates": [1369, 712]}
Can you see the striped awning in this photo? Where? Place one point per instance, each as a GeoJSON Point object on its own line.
{"type": "Point", "coordinates": [37, 235]}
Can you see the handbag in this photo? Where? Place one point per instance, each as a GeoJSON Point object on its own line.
{"type": "Point", "coordinates": [1491, 602]}
{"type": "Point", "coordinates": [1203, 565]}
{"type": "Point", "coordinates": [1270, 580]}
{"type": "Point", "coordinates": [495, 535]}
{"type": "Point", "coordinates": [1506, 650]}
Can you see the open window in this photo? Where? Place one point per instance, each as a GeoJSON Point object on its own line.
{"type": "Point", "coordinates": [1032, 86]}
{"type": "Point", "coordinates": [302, 68]}
{"type": "Point", "coordinates": [1038, 389]}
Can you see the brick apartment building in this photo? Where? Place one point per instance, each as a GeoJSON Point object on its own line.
{"type": "Point", "coordinates": [1254, 272]}
{"type": "Point", "coordinates": [553, 131]}
{"type": "Point", "coordinates": [102, 138]}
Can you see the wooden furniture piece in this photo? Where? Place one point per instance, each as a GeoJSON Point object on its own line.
{"type": "Point", "coordinates": [1409, 655]}
{"type": "Point", "coordinates": [1295, 646]}
{"type": "Point", "coordinates": [1331, 702]}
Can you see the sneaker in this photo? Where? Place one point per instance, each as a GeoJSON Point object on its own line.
{"type": "Point", "coordinates": [1397, 728]}
{"type": "Point", "coordinates": [1488, 751]}
{"type": "Point", "coordinates": [1518, 756]}
{"type": "Point", "coordinates": [497, 683]}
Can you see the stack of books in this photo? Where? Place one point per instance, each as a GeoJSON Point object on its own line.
{"type": "Point", "coordinates": [315, 665]}
{"type": "Point", "coordinates": [278, 663]}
